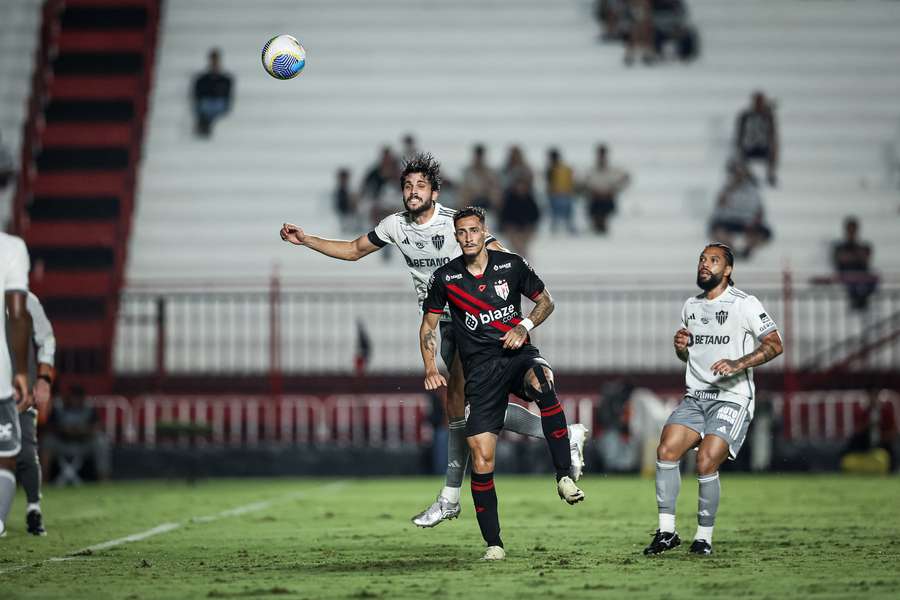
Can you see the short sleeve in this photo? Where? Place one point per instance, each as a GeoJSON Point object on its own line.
{"type": "Point", "coordinates": [756, 319]}
{"type": "Point", "coordinates": [529, 283]}
{"type": "Point", "coordinates": [42, 331]}
{"type": "Point", "coordinates": [684, 315]}
{"type": "Point", "coordinates": [436, 297]}
{"type": "Point", "coordinates": [16, 276]}
{"type": "Point", "coordinates": [381, 236]}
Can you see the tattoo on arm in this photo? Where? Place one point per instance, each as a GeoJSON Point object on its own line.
{"type": "Point", "coordinates": [542, 308]}
{"type": "Point", "coordinates": [767, 350]}
{"type": "Point", "coordinates": [429, 341]}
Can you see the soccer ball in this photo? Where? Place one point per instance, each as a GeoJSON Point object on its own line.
{"type": "Point", "coordinates": [283, 57]}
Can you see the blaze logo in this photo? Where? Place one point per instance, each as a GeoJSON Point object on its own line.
{"type": "Point", "coordinates": [471, 321]}
{"type": "Point", "coordinates": [498, 314]}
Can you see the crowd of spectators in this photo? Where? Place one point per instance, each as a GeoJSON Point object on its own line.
{"type": "Point", "coordinates": [515, 201]}
{"type": "Point", "coordinates": [651, 30]}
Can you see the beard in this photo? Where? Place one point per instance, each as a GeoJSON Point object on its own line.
{"type": "Point", "coordinates": [710, 283]}
{"type": "Point", "coordinates": [426, 206]}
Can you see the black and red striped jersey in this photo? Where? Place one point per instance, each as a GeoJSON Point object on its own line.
{"type": "Point", "coordinates": [485, 307]}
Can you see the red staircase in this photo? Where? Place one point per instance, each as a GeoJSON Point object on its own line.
{"type": "Point", "coordinates": [80, 151]}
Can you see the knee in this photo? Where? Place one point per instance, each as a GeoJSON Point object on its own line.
{"type": "Point", "coordinates": [707, 463]}
{"type": "Point", "coordinates": [539, 385]}
{"type": "Point", "coordinates": [667, 453]}
{"type": "Point", "coordinates": [482, 460]}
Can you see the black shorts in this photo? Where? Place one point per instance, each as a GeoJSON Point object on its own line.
{"type": "Point", "coordinates": [489, 385]}
{"type": "Point", "coordinates": [448, 343]}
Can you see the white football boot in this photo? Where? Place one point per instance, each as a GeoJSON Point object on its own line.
{"type": "Point", "coordinates": [494, 553]}
{"type": "Point", "coordinates": [440, 510]}
{"type": "Point", "coordinates": [577, 437]}
{"type": "Point", "coordinates": [568, 491]}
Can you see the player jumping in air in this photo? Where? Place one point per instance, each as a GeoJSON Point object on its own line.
{"type": "Point", "coordinates": [717, 340]}
{"type": "Point", "coordinates": [484, 288]}
{"type": "Point", "coordinates": [423, 233]}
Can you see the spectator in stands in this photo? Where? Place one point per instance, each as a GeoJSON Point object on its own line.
{"type": "Point", "coordinates": [639, 39]}
{"type": "Point", "coordinates": [560, 192]}
{"type": "Point", "coordinates": [212, 95]}
{"type": "Point", "coordinates": [852, 259]}
{"type": "Point", "coordinates": [480, 184]}
{"type": "Point", "coordinates": [515, 169]}
{"type": "Point", "coordinates": [603, 185]}
{"type": "Point", "coordinates": [7, 178]}
{"type": "Point", "coordinates": [410, 148]}
{"type": "Point", "coordinates": [519, 215]}
{"type": "Point", "coordinates": [346, 204]}
{"type": "Point", "coordinates": [379, 178]}
{"type": "Point", "coordinates": [613, 18]}
{"type": "Point", "coordinates": [756, 135]}
{"type": "Point", "coordinates": [672, 25]}
{"type": "Point", "coordinates": [739, 210]}
{"type": "Point", "coordinates": [7, 166]}
{"type": "Point", "coordinates": [73, 434]}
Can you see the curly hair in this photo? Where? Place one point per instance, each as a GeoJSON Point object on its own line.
{"type": "Point", "coordinates": [427, 165]}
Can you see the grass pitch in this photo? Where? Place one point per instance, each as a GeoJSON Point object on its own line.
{"type": "Point", "coordinates": [776, 537]}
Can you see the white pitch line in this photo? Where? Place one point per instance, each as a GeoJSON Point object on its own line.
{"type": "Point", "coordinates": [167, 527]}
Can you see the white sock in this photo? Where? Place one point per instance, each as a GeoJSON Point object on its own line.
{"type": "Point", "coordinates": [32, 506]}
{"type": "Point", "coordinates": [451, 494]}
{"type": "Point", "coordinates": [704, 533]}
{"type": "Point", "coordinates": [667, 522]}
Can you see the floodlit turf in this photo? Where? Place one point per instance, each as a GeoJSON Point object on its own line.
{"type": "Point", "coordinates": [777, 536]}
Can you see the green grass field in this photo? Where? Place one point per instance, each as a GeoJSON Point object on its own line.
{"type": "Point", "coordinates": [776, 537]}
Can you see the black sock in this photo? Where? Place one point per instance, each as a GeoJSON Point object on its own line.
{"type": "Point", "coordinates": [553, 421]}
{"type": "Point", "coordinates": [485, 497]}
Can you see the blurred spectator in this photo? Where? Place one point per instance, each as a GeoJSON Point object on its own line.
{"type": "Point", "coordinates": [212, 94]}
{"type": "Point", "coordinates": [672, 25]}
{"type": "Point", "coordinates": [74, 434]}
{"type": "Point", "coordinates": [7, 166]}
{"type": "Point", "coordinates": [516, 169]}
{"type": "Point", "coordinates": [382, 176]}
{"type": "Point", "coordinates": [640, 36]}
{"type": "Point", "coordinates": [739, 210]}
{"type": "Point", "coordinates": [384, 172]}
{"type": "Point", "coordinates": [613, 18]}
{"type": "Point", "coordinates": [756, 134]}
{"type": "Point", "coordinates": [560, 191]}
{"type": "Point", "coordinates": [410, 147]}
{"type": "Point", "coordinates": [603, 185]}
{"type": "Point", "coordinates": [7, 187]}
{"type": "Point", "coordinates": [851, 259]}
{"type": "Point", "coordinates": [519, 215]}
{"type": "Point", "coordinates": [480, 184]}
{"type": "Point", "coordinates": [346, 204]}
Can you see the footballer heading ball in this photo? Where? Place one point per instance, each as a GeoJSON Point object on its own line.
{"type": "Point", "coordinates": [283, 57]}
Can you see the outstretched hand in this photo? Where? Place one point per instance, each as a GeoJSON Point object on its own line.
{"type": "Point", "coordinates": [293, 234]}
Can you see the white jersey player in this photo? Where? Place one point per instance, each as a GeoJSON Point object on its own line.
{"type": "Point", "coordinates": [724, 334]}
{"type": "Point", "coordinates": [14, 392]}
{"type": "Point", "coordinates": [424, 234]}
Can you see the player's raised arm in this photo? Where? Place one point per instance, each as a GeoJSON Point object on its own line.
{"type": "Point", "coordinates": [428, 345]}
{"type": "Point", "coordinates": [342, 249]}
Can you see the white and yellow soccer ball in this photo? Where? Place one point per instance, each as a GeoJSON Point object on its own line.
{"type": "Point", "coordinates": [283, 57]}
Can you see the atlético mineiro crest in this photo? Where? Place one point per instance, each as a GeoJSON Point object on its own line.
{"type": "Point", "coordinates": [502, 288]}
{"type": "Point", "coordinates": [438, 241]}
{"type": "Point", "coordinates": [471, 321]}
{"type": "Point", "coordinates": [722, 316]}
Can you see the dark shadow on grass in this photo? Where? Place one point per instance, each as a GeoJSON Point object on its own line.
{"type": "Point", "coordinates": [399, 566]}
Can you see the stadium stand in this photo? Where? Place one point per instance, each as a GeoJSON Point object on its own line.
{"type": "Point", "coordinates": [541, 81]}
{"type": "Point", "coordinates": [18, 38]}
{"type": "Point", "coordinates": [82, 141]}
